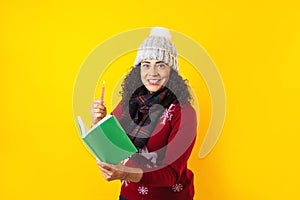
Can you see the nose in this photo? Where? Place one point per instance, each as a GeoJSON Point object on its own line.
{"type": "Point", "coordinates": [152, 71]}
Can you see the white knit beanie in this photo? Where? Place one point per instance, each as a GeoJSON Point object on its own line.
{"type": "Point", "coordinates": [158, 46]}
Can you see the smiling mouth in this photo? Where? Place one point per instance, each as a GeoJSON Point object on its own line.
{"type": "Point", "coordinates": [153, 81]}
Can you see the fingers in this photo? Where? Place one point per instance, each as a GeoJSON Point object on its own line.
{"type": "Point", "coordinates": [104, 165]}
{"type": "Point", "coordinates": [106, 173]}
{"type": "Point", "coordinates": [99, 107]}
{"type": "Point", "coordinates": [107, 170]}
{"type": "Point", "coordinates": [98, 103]}
{"type": "Point", "coordinates": [110, 172]}
{"type": "Point", "coordinates": [98, 110]}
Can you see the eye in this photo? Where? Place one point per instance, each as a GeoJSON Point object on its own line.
{"type": "Point", "coordinates": [145, 65]}
{"type": "Point", "coordinates": [160, 66]}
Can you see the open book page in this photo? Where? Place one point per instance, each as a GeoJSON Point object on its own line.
{"type": "Point", "coordinates": [107, 140]}
{"type": "Point", "coordinates": [82, 127]}
{"type": "Point", "coordinates": [86, 130]}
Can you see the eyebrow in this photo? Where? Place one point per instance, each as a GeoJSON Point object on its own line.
{"type": "Point", "coordinates": [155, 62]}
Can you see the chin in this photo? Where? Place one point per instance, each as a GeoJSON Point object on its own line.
{"type": "Point", "coordinates": [152, 89]}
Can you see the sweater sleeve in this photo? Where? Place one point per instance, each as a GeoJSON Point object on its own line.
{"type": "Point", "coordinates": [180, 144]}
{"type": "Point", "coordinates": [117, 112]}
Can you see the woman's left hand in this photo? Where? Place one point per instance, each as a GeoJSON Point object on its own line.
{"type": "Point", "coordinates": [119, 171]}
{"type": "Point", "coordinates": [111, 172]}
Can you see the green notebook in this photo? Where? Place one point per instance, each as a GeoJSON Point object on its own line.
{"type": "Point", "coordinates": [107, 140]}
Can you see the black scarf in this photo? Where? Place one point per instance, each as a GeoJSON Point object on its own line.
{"type": "Point", "coordinates": [143, 112]}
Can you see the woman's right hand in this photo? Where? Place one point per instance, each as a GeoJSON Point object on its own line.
{"type": "Point", "coordinates": [98, 111]}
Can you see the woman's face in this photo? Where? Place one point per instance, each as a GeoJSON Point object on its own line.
{"type": "Point", "coordinates": [154, 74]}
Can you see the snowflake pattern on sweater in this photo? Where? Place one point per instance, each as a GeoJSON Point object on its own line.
{"type": "Point", "coordinates": [168, 114]}
{"type": "Point", "coordinates": [143, 190]}
{"type": "Point", "coordinates": [178, 187]}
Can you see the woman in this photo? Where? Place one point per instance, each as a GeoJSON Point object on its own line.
{"type": "Point", "coordinates": [156, 114]}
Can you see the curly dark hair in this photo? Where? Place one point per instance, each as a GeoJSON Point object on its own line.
{"type": "Point", "coordinates": [176, 84]}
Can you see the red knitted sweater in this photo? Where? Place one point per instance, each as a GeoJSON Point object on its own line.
{"type": "Point", "coordinates": [168, 150]}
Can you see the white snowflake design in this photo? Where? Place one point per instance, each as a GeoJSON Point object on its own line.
{"type": "Point", "coordinates": [178, 187]}
{"type": "Point", "coordinates": [168, 114]}
{"type": "Point", "coordinates": [150, 156]}
{"type": "Point", "coordinates": [143, 190]}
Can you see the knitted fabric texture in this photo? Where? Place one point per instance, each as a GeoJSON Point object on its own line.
{"type": "Point", "coordinates": [158, 46]}
{"type": "Point", "coordinates": [139, 121]}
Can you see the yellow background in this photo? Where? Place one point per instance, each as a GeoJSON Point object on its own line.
{"type": "Point", "coordinates": [255, 46]}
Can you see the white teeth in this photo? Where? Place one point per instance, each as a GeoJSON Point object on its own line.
{"type": "Point", "coordinates": [153, 81]}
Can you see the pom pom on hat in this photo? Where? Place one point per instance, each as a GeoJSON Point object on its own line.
{"type": "Point", "coordinates": [158, 46]}
{"type": "Point", "coordinates": [160, 32]}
